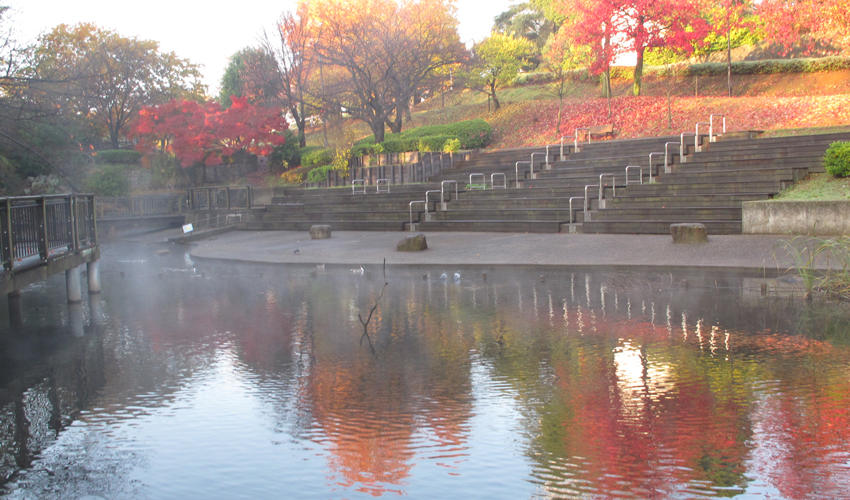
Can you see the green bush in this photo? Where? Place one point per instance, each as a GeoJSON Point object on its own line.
{"type": "Point", "coordinates": [451, 146]}
{"type": "Point", "coordinates": [286, 155]}
{"type": "Point", "coordinates": [836, 161]}
{"type": "Point", "coordinates": [772, 66]}
{"type": "Point", "coordinates": [113, 156]}
{"type": "Point", "coordinates": [317, 157]}
{"type": "Point", "coordinates": [471, 133]}
{"type": "Point", "coordinates": [111, 180]}
{"type": "Point", "coordinates": [435, 143]}
{"type": "Point", "coordinates": [319, 174]}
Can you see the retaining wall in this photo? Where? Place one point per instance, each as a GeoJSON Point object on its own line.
{"type": "Point", "coordinates": [816, 218]}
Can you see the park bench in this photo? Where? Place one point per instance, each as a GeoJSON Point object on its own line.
{"type": "Point", "coordinates": [601, 130]}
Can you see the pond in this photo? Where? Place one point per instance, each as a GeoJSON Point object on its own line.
{"type": "Point", "coordinates": [203, 379]}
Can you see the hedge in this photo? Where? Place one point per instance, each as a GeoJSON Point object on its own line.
{"type": "Point", "coordinates": [121, 156]}
{"type": "Point", "coordinates": [312, 157]}
{"type": "Point", "coordinates": [319, 174]}
{"type": "Point", "coordinates": [471, 133]}
{"type": "Point", "coordinates": [435, 142]}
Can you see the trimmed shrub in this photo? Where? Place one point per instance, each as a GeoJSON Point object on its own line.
{"type": "Point", "coordinates": [111, 180]}
{"type": "Point", "coordinates": [319, 174]}
{"type": "Point", "coordinates": [316, 157]}
{"type": "Point", "coordinates": [772, 66]}
{"type": "Point", "coordinates": [836, 161]}
{"type": "Point", "coordinates": [471, 133]}
{"type": "Point", "coordinates": [435, 143]}
{"type": "Point", "coordinates": [113, 156]}
{"type": "Point", "coordinates": [451, 146]}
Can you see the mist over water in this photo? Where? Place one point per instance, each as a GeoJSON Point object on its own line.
{"type": "Point", "coordinates": [201, 379]}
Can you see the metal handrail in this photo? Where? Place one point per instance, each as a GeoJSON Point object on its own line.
{"type": "Point", "coordinates": [586, 135]}
{"type": "Point", "coordinates": [697, 146]}
{"type": "Point", "coordinates": [442, 196]}
{"type": "Point", "coordinates": [531, 173]}
{"type": "Point", "coordinates": [517, 171]}
{"type": "Point", "coordinates": [411, 210]}
{"type": "Point", "coordinates": [384, 182]}
{"type": "Point", "coordinates": [354, 184]}
{"type": "Point", "coordinates": [586, 205]}
{"type": "Point", "coordinates": [613, 185]}
{"type": "Point", "coordinates": [651, 180]}
{"type": "Point", "coordinates": [38, 228]}
{"type": "Point", "coordinates": [562, 146]}
{"type": "Point", "coordinates": [493, 181]}
{"type": "Point", "coordinates": [483, 181]}
{"type": "Point", "coordinates": [711, 126]}
{"type": "Point", "coordinates": [426, 197]}
{"type": "Point", "coordinates": [667, 152]}
{"type": "Point", "coordinates": [640, 175]}
{"type": "Point", "coordinates": [682, 143]}
{"type": "Point", "coordinates": [547, 157]}
{"type": "Point", "coordinates": [571, 206]}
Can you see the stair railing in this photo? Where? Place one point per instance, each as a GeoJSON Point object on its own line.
{"type": "Point", "coordinates": [640, 174]}
{"type": "Point", "coordinates": [587, 135]}
{"type": "Point", "coordinates": [531, 175]}
{"type": "Point", "coordinates": [697, 146]}
{"type": "Point", "coordinates": [411, 211]}
{"type": "Point", "coordinates": [657, 153]}
{"type": "Point", "coordinates": [711, 136]}
{"type": "Point", "coordinates": [667, 154]}
{"type": "Point", "coordinates": [442, 195]}
{"type": "Point", "coordinates": [517, 171]}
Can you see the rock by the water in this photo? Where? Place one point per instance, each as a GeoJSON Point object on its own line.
{"type": "Point", "coordinates": [320, 232]}
{"type": "Point", "coordinates": [415, 243]}
{"type": "Point", "coordinates": [689, 233]}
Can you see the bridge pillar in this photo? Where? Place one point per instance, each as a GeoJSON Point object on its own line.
{"type": "Point", "coordinates": [75, 319]}
{"type": "Point", "coordinates": [16, 311]}
{"type": "Point", "coordinates": [72, 285]}
{"type": "Point", "coordinates": [93, 272]}
{"type": "Point", "coordinates": [96, 309]}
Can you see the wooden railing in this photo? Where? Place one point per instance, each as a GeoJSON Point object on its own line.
{"type": "Point", "coordinates": [42, 226]}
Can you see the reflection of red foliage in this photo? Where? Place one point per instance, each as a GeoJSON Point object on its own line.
{"type": "Point", "coordinates": [197, 132]}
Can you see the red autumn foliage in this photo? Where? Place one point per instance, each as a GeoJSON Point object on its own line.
{"type": "Point", "coordinates": [203, 132]}
{"type": "Point", "coordinates": [534, 122]}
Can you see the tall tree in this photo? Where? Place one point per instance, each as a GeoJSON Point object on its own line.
{"type": "Point", "coordinates": [292, 54]}
{"type": "Point", "coordinates": [109, 78]}
{"type": "Point", "coordinates": [497, 60]}
{"type": "Point", "coordinates": [620, 26]}
{"type": "Point", "coordinates": [817, 26]}
{"type": "Point", "coordinates": [379, 52]}
{"type": "Point", "coordinates": [204, 133]}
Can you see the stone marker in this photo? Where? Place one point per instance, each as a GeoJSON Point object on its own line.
{"type": "Point", "coordinates": [320, 232]}
{"type": "Point", "coordinates": [415, 243]}
{"type": "Point", "coordinates": [689, 233]}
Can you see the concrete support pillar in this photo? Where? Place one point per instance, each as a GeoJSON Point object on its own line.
{"type": "Point", "coordinates": [76, 318]}
{"type": "Point", "coordinates": [16, 311]}
{"type": "Point", "coordinates": [96, 309]}
{"type": "Point", "coordinates": [93, 272]}
{"type": "Point", "coordinates": [72, 285]}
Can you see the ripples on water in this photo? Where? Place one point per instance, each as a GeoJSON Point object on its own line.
{"type": "Point", "coordinates": [202, 380]}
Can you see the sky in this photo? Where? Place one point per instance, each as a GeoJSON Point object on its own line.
{"type": "Point", "coordinates": [205, 33]}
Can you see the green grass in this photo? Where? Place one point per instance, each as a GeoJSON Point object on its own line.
{"type": "Point", "coordinates": [786, 132]}
{"type": "Point", "coordinates": [817, 187]}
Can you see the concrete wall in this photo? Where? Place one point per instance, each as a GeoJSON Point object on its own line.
{"type": "Point", "coordinates": [816, 218]}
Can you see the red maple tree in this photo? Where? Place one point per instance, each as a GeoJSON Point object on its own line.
{"type": "Point", "coordinates": [202, 132]}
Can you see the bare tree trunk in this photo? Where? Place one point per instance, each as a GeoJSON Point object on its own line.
{"type": "Point", "coordinates": [729, 60]}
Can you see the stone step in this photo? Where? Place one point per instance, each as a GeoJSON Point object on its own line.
{"type": "Point", "coordinates": [511, 214]}
{"type": "Point", "coordinates": [656, 227]}
{"type": "Point", "coordinates": [341, 225]}
{"type": "Point", "coordinates": [669, 214]}
{"type": "Point", "coordinates": [494, 226]}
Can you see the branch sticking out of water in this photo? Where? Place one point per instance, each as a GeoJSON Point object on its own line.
{"type": "Point", "coordinates": [368, 319]}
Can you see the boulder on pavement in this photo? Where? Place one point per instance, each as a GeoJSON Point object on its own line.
{"type": "Point", "coordinates": [689, 233]}
{"type": "Point", "coordinates": [320, 232]}
{"type": "Point", "coordinates": [415, 243]}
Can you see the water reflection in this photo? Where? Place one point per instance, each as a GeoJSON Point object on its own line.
{"type": "Point", "coordinates": [204, 380]}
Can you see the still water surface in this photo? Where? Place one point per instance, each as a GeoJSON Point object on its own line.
{"type": "Point", "coordinates": [210, 380]}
